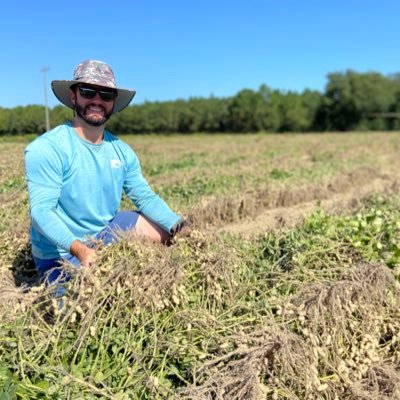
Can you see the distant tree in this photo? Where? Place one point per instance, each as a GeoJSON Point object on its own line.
{"type": "Point", "coordinates": [27, 119]}
{"type": "Point", "coordinates": [214, 115]}
{"type": "Point", "coordinates": [244, 111]}
{"type": "Point", "coordinates": [311, 100]}
{"type": "Point", "coordinates": [206, 115]}
{"type": "Point", "coordinates": [270, 110]}
{"type": "Point", "coordinates": [186, 116]}
{"type": "Point", "coordinates": [352, 99]}
{"type": "Point", "coordinates": [59, 115]}
{"type": "Point", "coordinates": [293, 113]}
{"type": "Point", "coordinates": [394, 112]}
{"type": "Point", "coordinates": [4, 117]}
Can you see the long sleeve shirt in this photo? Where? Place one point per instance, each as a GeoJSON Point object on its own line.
{"type": "Point", "coordinates": [75, 189]}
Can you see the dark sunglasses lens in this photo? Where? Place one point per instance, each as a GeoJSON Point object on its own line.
{"type": "Point", "coordinates": [86, 92]}
{"type": "Point", "coordinates": [107, 95]}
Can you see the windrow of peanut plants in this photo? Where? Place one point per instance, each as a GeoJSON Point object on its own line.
{"type": "Point", "coordinates": [307, 313]}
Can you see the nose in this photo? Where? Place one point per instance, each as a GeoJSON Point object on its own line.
{"type": "Point", "coordinates": [97, 97]}
{"type": "Point", "coordinates": [96, 100]}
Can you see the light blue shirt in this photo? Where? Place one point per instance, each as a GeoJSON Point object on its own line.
{"type": "Point", "coordinates": [75, 189]}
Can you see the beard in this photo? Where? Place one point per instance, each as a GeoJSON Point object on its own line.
{"type": "Point", "coordinates": [93, 120]}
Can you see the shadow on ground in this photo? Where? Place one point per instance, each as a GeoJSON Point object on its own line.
{"type": "Point", "coordinates": [23, 268]}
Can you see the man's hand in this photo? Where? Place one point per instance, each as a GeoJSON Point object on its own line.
{"type": "Point", "coordinates": [84, 254]}
{"type": "Point", "coordinates": [179, 226]}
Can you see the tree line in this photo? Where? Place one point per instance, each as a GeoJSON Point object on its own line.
{"type": "Point", "coordinates": [351, 101]}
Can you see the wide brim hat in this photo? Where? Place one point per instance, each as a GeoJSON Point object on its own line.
{"type": "Point", "coordinates": [96, 73]}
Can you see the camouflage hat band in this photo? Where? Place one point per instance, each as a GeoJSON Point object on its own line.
{"type": "Point", "coordinates": [95, 73]}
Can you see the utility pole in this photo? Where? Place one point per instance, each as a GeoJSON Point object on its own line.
{"type": "Point", "coordinates": [44, 70]}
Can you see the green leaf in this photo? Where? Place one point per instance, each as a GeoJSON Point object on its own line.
{"type": "Point", "coordinates": [53, 389]}
{"type": "Point", "coordinates": [42, 385]}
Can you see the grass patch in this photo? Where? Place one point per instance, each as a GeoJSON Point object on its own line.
{"type": "Point", "coordinates": [187, 161]}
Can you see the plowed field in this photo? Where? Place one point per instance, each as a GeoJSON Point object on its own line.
{"type": "Point", "coordinates": [285, 285]}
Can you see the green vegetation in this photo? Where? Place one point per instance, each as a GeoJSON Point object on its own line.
{"type": "Point", "coordinates": [306, 311]}
{"type": "Point", "coordinates": [351, 101]}
{"type": "Point", "coordinates": [121, 335]}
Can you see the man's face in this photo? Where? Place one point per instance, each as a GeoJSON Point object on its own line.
{"type": "Point", "coordinates": [91, 106]}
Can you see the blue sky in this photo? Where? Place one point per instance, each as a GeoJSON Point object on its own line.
{"type": "Point", "coordinates": [179, 49]}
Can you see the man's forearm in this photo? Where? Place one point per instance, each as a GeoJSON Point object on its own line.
{"type": "Point", "coordinates": [50, 225]}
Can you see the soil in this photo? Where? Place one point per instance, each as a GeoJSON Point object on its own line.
{"type": "Point", "coordinates": [346, 200]}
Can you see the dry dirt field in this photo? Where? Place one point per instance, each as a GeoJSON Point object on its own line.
{"type": "Point", "coordinates": [285, 285]}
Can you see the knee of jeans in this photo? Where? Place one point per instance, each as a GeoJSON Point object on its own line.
{"type": "Point", "coordinates": [125, 220]}
{"type": "Point", "coordinates": [72, 260]}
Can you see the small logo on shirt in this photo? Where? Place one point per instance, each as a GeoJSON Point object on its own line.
{"type": "Point", "coordinates": [115, 163]}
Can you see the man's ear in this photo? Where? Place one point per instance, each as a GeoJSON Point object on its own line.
{"type": "Point", "coordinates": [72, 96]}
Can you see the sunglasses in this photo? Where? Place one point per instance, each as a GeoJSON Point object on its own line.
{"type": "Point", "coordinates": [88, 92]}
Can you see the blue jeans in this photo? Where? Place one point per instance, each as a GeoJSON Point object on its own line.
{"type": "Point", "coordinates": [51, 269]}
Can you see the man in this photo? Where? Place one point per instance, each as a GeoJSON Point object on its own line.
{"type": "Point", "coordinates": [76, 174]}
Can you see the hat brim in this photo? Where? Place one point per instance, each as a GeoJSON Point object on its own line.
{"type": "Point", "coordinates": [62, 89]}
